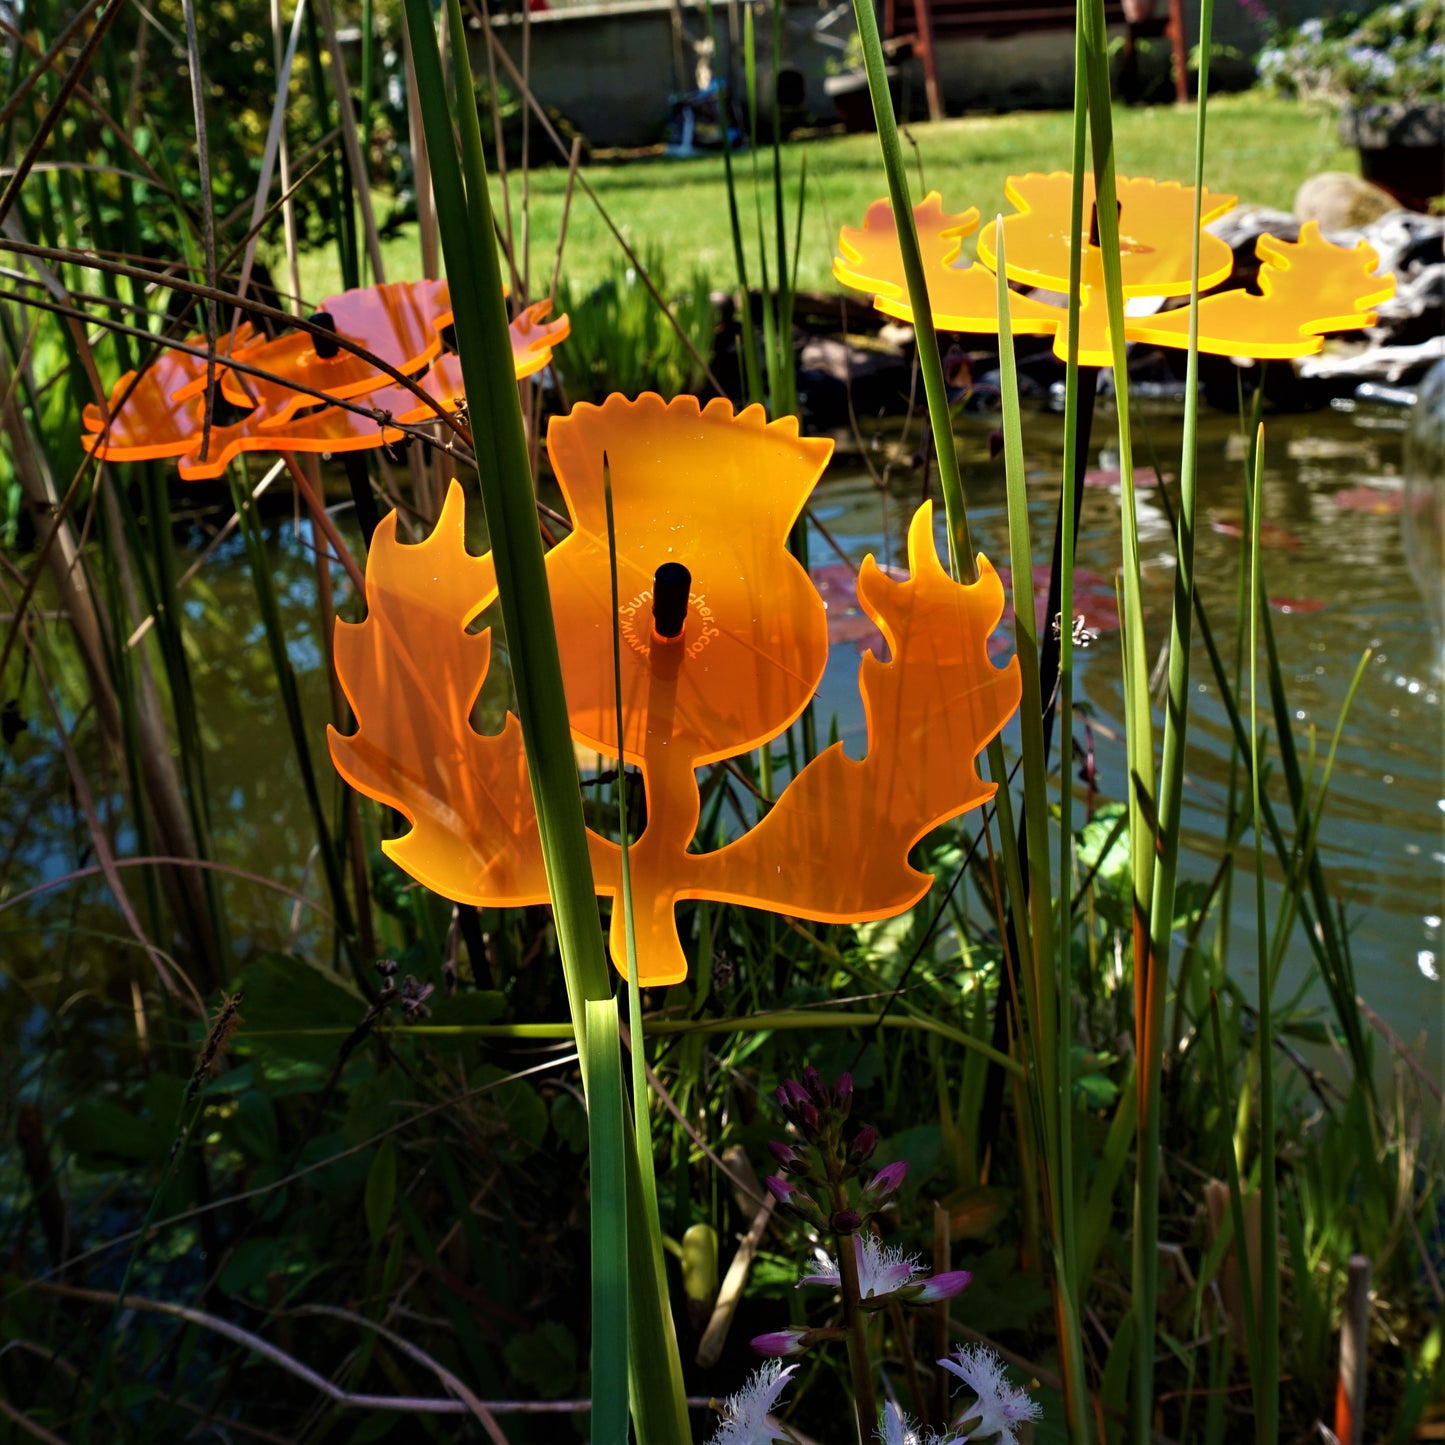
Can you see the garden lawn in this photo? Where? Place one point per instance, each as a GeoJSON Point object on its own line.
{"type": "Point", "coordinates": [1259, 148]}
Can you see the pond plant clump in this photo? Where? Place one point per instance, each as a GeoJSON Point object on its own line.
{"type": "Point", "coordinates": [461, 916]}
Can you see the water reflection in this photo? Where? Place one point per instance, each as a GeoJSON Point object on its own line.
{"type": "Point", "coordinates": [1337, 580]}
{"type": "Point", "coordinates": [1341, 587]}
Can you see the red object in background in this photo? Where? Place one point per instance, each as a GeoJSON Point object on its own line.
{"type": "Point", "coordinates": [1370, 500]}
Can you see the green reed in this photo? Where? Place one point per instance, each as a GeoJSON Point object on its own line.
{"type": "Point", "coordinates": [464, 214]}
{"type": "Point", "coordinates": [1074, 1165]}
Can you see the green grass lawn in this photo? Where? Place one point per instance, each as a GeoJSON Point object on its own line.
{"type": "Point", "coordinates": [1259, 148]}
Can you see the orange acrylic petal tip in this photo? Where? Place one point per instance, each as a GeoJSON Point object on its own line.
{"type": "Point", "coordinates": [153, 413]}
{"type": "Point", "coordinates": [533, 338]}
{"type": "Point", "coordinates": [400, 323]}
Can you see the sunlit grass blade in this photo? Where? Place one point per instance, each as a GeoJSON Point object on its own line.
{"type": "Point", "coordinates": [473, 266]}
{"type": "Point", "coordinates": [474, 272]}
{"type": "Point", "coordinates": [960, 541]}
{"type": "Point", "coordinates": [1236, 1204]}
{"type": "Point", "coordinates": [1054, 1089]}
{"type": "Point", "coordinates": [655, 1373]}
{"type": "Point", "coordinates": [1267, 1392]}
{"type": "Point", "coordinates": [1139, 724]}
{"type": "Point", "coordinates": [747, 332]}
{"type": "Point", "coordinates": [1169, 798]}
{"type": "Point", "coordinates": [606, 1151]}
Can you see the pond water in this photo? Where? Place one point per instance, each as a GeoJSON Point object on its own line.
{"type": "Point", "coordinates": [1336, 575]}
{"type": "Point", "coordinates": [1335, 571]}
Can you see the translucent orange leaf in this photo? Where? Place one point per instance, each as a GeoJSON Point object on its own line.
{"type": "Point", "coordinates": [835, 845]}
{"type": "Point", "coordinates": [1307, 288]}
{"type": "Point", "coordinates": [411, 672]}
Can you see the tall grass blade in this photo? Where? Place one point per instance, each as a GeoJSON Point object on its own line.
{"type": "Point", "coordinates": [1149, 1025]}
{"type": "Point", "coordinates": [1236, 1204]}
{"type": "Point", "coordinates": [609, 1224]}
{"type": "Point", "coordinates": [1053, 1094]}
{"type": "Point", "coordinates": [655, 1375]}
{"type": "Point", "coordinates": [1267, 1392]}
{"type": "Point", "coordinates": [960, 541]}
{"type": "Point", "coordinates": [465, 222]}
{"type": "Point", "coordinates": [1139, 730]}
{"type": "Point", "coordinates": [474, 272]}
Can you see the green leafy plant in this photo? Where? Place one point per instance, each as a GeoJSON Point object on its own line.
{"type": "Point", "coordinates": [1395, 55]}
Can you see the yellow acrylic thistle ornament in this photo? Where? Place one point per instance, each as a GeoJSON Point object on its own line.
{"type": "Point", "coordinates": [1308, 287]}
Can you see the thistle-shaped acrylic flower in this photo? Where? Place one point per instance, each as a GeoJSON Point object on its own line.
{"type": "Point", "coordinates": [1306, 287]}
{"type": "Point", "coordinates": [710, 495]}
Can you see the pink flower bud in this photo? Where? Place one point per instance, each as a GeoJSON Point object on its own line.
{"type": "Point", "coordinates": [885, 1181]}
{"type": "Point", "coordinates": [785, 1156]}
{"type": "Point", "coordinates": [779, 1343]}
{"type": "Point", "coordinates": [943, 1286]}
{"type": "Point", "coordinates": [865, 1141]}
{"type": "Point", "coordinates": [780, 1189]}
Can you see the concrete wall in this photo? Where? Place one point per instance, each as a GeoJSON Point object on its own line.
{"type": "Point", "coordinates": [609, 67]}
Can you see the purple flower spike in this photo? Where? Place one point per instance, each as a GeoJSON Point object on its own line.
{"type": "Point", "coordinates": [944, 1286]}
{"type": "Point", "coordinates": [886, 1180]}
{"type": "Point", "coordinates": [779, 1343]}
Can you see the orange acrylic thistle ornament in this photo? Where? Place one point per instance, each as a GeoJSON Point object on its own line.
{"type": "Point", "coordinates": [713, 663]}
{"type": "Point", "coordinates": [277, 384]}
{"type": "Point", "coordinates": [1307, 287]}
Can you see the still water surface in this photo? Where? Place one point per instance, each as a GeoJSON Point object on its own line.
{"type": "Point", "coordinates": [1336, 575]}
{"type": "Point", "coordinates": [1335, 570]}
